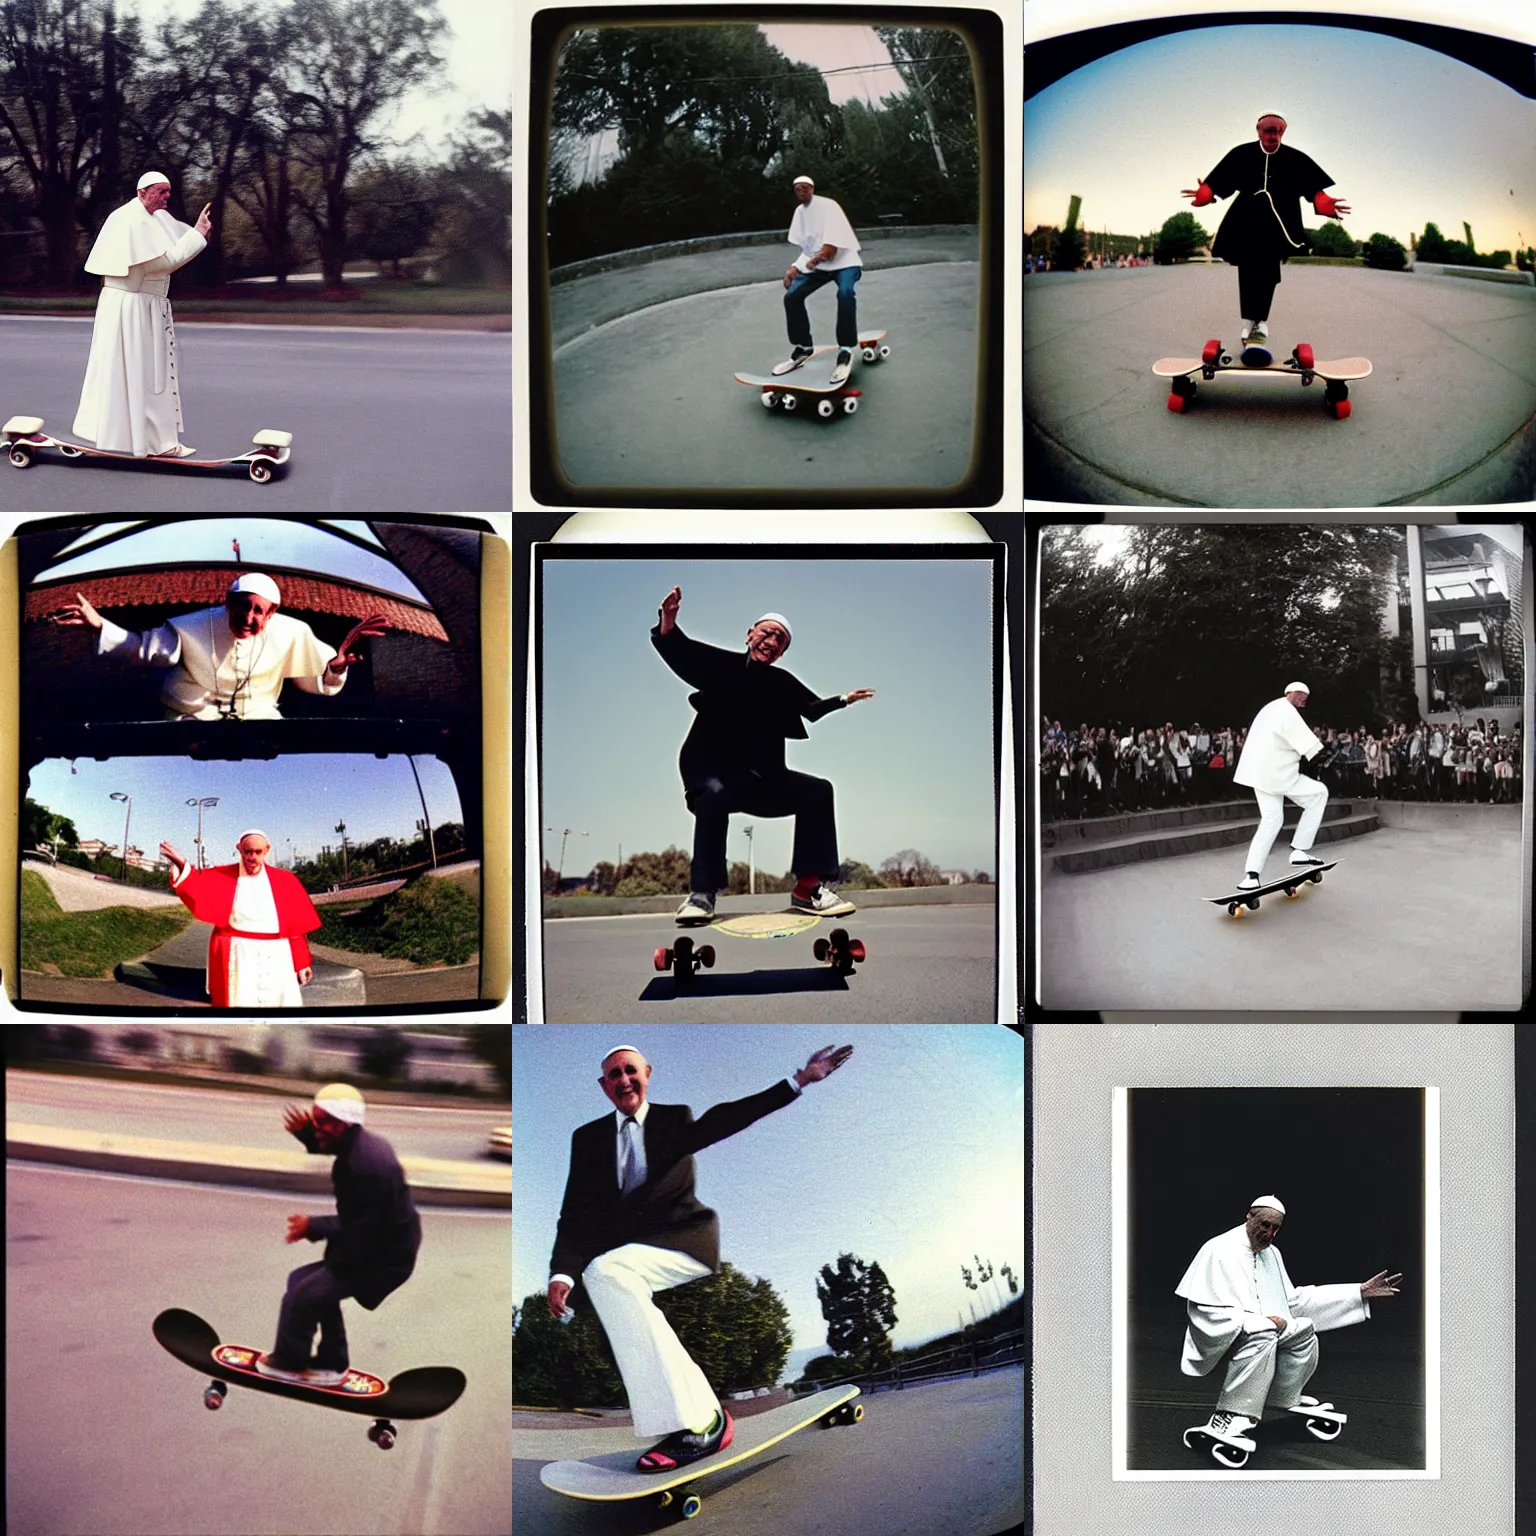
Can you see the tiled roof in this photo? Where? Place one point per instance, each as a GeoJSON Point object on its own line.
{"type": "Point", "coordinates": [185, 587]}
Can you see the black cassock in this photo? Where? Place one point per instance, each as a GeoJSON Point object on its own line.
{"type": "Point", "coordinates": [1264, 224]}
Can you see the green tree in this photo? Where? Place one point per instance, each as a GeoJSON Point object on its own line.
{"type": "Point", "coordinates": [860, 1308]}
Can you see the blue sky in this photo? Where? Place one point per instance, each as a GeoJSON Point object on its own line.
{"type": "Point", "coordinates": [910, 1155]}
{"type": "Point", "coordinates": [1409, 136]}
{"type": "Point", "coordinates": [295, 799]}
{"type": "Point", "coordinates": [912, 767]}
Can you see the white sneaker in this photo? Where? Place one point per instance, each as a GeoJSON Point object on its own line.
{"type": "Point", "coordinates": [698, 908]}
{"type": "Point", "coordinates": [823, 902]}
{"type": "Point", "coordinates": [1249, 882]}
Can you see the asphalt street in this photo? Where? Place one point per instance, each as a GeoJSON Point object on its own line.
{"type": "Point", "coordinates": [897, 1472]}
{"type": "Point", "coordinates": [382, 421]}
{"type": "Point", "coordinates": [924, 965]}
{"type": "Point", "coordinates": [1446, 417]}
{"type": "Point", "coordinates": [1140, 936]}
{"type": "Point", "coordinates": [107, 1433]}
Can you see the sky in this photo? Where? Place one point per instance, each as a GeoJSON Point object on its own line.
{"type": "Point", "coordinates": [477, 67]}
{"type": "Point", "coordinates": [912, 766]}
{"type": "Point", "coordinates": [910, 1155]}
{"type": "Point", "coordinates": [295, 799]}
{"type": "Point", "coordinates": [262, 541]}
{"type": "Point", "coordinates": [1409, 136]}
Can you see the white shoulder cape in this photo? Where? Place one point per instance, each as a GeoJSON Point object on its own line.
{"type": "Point", "coordinates": [133, 234]}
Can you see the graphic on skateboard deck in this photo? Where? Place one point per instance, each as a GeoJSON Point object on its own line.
{"type": "Point", "coordinates": [837, 949]}
{"type": "Point", "coordinates": [25, 439]}
{"type": "Point", "coordinates": [811, 383]}
{"type": "Point", "coordinates": [607, 1478]}
{"type": "Point", "coordinates": [1301, 364]}
{"type": "Point", "coordinates": [1291, 884]}
{"type": "Point", "coordinates": [422, 1393]}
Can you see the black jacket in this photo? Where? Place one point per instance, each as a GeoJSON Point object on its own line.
{"type": "Point", "coordinates": [371, 1241]}
{"type": "Point", "coordinates": [663, 1211]}
{"type": "Point", "coordinates": [1265, 221]}
{"type": "Point", "coordinates": [745, 709]}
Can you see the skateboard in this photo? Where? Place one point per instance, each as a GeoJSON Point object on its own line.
{"type": "Point", "coordinates": [613, 1477]}
{"type": "Point", "coordinates": [812, 382]}
{"type": "Point", "coordinates": [1323, 1420]}
{"type": "Point", "coordinates": [417, 1394]}
{"type": "Point", "coordinates": [1229, 1450]}
{"type": "Point", "coordinates": [837, 949]}
{"type": "Point", "coordinates": [24, 438]}
{"type": "Point", "coordinates": [1301, 364]}
{"type": "Point", "coordinates": [1290, 885]}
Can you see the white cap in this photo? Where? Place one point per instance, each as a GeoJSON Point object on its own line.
{"type": "Point", "coordinates": [262, 586]}
{"type": "Point", "coordinates": [1298, 688]}
{"type": "Point", "coordinates": [778, 618]}
{"type": "Point", "coordinates": [1270, 1201]}
{"type": "Point", "coordinates": [153, 179]}
{"type": "Point", "coordinates": [807, 179]}
{"type": "Point", "coordinates": [615, 1051]}
{"type": "Point", "coordinates": [342, 1101]}
{"type": "Point", "coordinates": [253, 832]}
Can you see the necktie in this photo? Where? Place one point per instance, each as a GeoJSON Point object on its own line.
{"type": "Point", "coordinates": [629, 1173]}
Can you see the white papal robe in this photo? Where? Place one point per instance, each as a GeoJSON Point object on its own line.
{"type": "Point", "coordinates": [213, 674]}
{"type": "Point", "coordinates": [130, 401]}
{"type": "Point", "coordinates": [261, 973]}
{"type": "Point", "coordinates": [1230, 1290]}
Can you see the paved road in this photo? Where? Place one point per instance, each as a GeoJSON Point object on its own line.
{"type": "Point", "coordinates": [382, 421]}
{"type": "Point", "coordinates": [900, 1473]}
{"type": "Point", "coordinates": [1448, 416]}
{"type": "Point", "coordinates": [109, 1434]}
{"type": "Point", "coordinates": [926, 965]}
{"type": "Point", "coordinates": [1138, 936]}
{"type": "Point", "coordinates": [77, 890]}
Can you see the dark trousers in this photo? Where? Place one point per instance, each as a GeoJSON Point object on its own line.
{"type": "Point", "coordinates": [313, 1300]}
{"type": "Point", "coordinates": [801, 795]}
{"type": "Point", "coordinates": [804, 286]}
{"type": "Point", "coordinates": [1256, 284]}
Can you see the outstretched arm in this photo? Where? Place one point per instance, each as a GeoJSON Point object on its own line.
{"type": "Point", "coordinates": [825, 1062]}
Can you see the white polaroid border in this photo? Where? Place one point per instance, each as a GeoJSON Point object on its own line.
{"type": "Point", "coordinates": [1120, 1326]}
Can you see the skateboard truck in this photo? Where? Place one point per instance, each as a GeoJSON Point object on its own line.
{"type": "Point", "coordinates": [683, 959]}
{"type": "Point", "coordinates": [839, 951]}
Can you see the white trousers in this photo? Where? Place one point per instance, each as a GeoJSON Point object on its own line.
{"type": "Point", "coordinates": [1311, 796]}
{"type": "Point", "coordinates": [1269, 1368]}
{"type": "Point", "coordinates": [667, 1391]}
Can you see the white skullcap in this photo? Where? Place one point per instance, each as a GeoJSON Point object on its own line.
{"type": "Point", "coordinates": [799, 179]}
{"type": "Point", "coordinates": [253, 832]}
{"type": "Point", "coordinates": [1298, 688]}
{"type": "Point", "coordinates": [778, 618]}
{"type": "Point", "coordinates": [153, 179]}
{"type": "Point", "coordinates": [1271, 1201]}
{"type": "Point", "coordinates": [342, 1101]}
{"type": "Point", "coordinates": [262, 586]}
{"type": "Point", "coordinates": [615, 1051]}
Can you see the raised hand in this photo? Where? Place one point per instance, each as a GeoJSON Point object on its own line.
{"type": "Point", "coordinates": [295, 1119]}
{"type": "Point", "coordinates": [859, 693]}
{"type": "Point", "coordinates": [824, 1062]}
{"type": "Point", "coordinates": [172, 855]}
{"type": "Point", "coordinates": [204, 223]}
{"type": "Point", "coordinates": [374, 624]}
{"type": "Point", "coordinates": [669, 606]}
{"type": "Point", "coordinates": [77, 612]}
{"type": "Point", "coordinates": [1380, 1285]}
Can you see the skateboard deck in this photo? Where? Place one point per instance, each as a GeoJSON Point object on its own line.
{"type": "Point", "coordinates": [607, 1478]}
{"type": "Point", "coordinates": [25, 439]}
{"type": "Point", "coordinates": [1229, 1452]}
{"type": "Point", "coordinates": [422, 1393]}
{"type": "Point", "coordinates": [837, 949]}
{"type": "Point", "coordinates": [1237, 900]}
{"type": "Point", "coordinates": [810, 386]}
{"type": "Point", "coordinates": [1336, 374]}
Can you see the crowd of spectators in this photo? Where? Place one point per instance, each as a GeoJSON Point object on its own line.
{"type": "Point", "coordinates": [1110, 769]}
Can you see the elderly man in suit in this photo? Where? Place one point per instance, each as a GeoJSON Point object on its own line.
{"type": "Point", "coordinates": [630, 1225]}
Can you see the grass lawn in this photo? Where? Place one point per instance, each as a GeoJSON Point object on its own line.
{"type": "Point", "coordinates": [60, 943]}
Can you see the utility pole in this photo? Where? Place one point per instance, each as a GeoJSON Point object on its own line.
{"type": "Point", "coordinates": [341, 827]}
{"type": "Point", "coordinates": [115, 795]}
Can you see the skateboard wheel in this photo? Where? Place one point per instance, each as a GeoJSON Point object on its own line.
{"type": "Point", "coordinates": [1305, 355]}
{"type": "Point", "coordinates": [21, 456]}
{"type": "Point", "coordinates": [870, 354]}
{"type": "Point", "coordinates": [850, 405]}
{"type": "Point", "coordinates": [826, 409]}
{"type": "Point", "coordinates": [790, 402]}
{"type": "Point", "coordinates": [820, 949]}
{"type": "Point", "coordinates": [261, 471]}
{"type": "Point", "coordinates": [706, 956]}
{"type": "Point", "coordinates": [70, 452]}
{"type": "Point", "coordinates": [885, 352]}
{"type": "Point", "coordinates": [662, 958]}
{"type": "Point", "coordinates": [770, 398]}
{"type": "Point", "coordinates": [213, 1396]}
{"type": "Point", "coordinates": [856, 950]}
{"type": "Point", "coordinates": [1211, 351]}
{"type": "Point", "coordinates": [664, 1499]}
{"type": "Point", "coordinates": [382, 1435]}
{"type": "Point", "coordinates": [1177, 402]}
{"type": "Point", "coordinates": [692, 1504]}
{"type": "Point", "coordinates": [1338, 409]}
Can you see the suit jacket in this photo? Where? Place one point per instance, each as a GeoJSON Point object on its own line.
{"type": "Point", "coordinates": [663, 1211]}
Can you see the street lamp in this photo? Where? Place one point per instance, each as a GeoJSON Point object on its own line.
{"type": "Point", "coordinates": [115, 795]}
{"type": "Point", "coordinates": [560, 870]}
{"type": "Point", "coordinates": [200, 803]}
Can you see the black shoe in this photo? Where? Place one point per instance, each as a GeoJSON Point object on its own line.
{"type": "Point", "coordinates": [683, 1446]}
